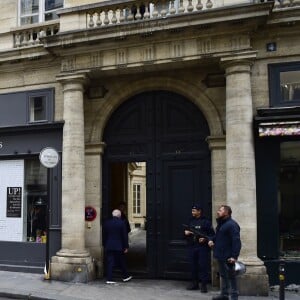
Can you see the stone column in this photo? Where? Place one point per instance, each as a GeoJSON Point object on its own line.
{"type": "Point", "coordinates": [240, 168]}
{"type": "Point", "coordinates": [218, 174]}
{"type": "Point", "coordinates": [73, 262]}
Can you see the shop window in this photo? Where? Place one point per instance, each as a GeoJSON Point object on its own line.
{"type": "Point", "coordinates": [136, 199]}
{"type": "Point", "coordinates": [40, 107]}
{"type": "Point", "coordinates": [289, 196]}
{"type": "Point", "coordinates": [284, 84]}
{"type": "Point", "coordinates": [35, 11]}
{"type": "Point", "coordinates": [36, 201]}
{"type": "Point", "coordinates": [23, 201]}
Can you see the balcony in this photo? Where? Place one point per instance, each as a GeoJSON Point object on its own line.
{"type": "Point", "coordinates": [125, 17]}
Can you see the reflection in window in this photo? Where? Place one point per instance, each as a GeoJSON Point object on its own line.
{"type": "Point", "coordinates": [36, 200]}
{"type": "Point", "coordinates": [34, 11]}
{"type": "Point", "coordinates": [37, 108]}
{"type": "Point", "coordinates": [136, 198]}
{"type": "Point", "coordinates": [289, 204]}
{"type": "Point", "coordinates": [290, 85]}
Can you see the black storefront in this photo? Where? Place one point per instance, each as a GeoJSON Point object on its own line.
{"type": "Point", "coordinates": [30, 194]}
{"type": "Point", "coordinates": [277, 143]}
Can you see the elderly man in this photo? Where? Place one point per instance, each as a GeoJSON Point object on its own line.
{"type": "Point", "coordinates": [115, 242]}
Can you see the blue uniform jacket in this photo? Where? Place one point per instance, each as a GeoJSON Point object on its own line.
{"type": "Point", "coordinates": [115, 236]}
{"type": "Point", "coordinates": [227, 239]}
{"type": "Point", "coordinates": [204, 226]}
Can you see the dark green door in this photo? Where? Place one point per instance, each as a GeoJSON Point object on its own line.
{"type": "Point", "coordinates": [167, 132]}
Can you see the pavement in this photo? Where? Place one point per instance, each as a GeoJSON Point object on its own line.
{"type": "Point", "coordinates": [17, 285]}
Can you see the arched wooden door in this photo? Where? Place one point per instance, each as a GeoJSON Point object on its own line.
{"type": "Point", "coordinates": [169, 133]}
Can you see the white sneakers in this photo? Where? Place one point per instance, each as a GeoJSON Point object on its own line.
{"type": "Point", "coordinates": [127, 279]}
{"type": "Point", "coordinates": [124, 280]}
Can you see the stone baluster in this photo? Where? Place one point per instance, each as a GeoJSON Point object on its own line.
{"type": "Point", "coordinates": [172, 8]}
{"type": "Point", "coordinates": [147, 13]}
{"type": "Point", "coordinates": [181, 8]}
{"type": "Point", "coordinates": [122, 15]}
{"type": "Point", "coordinates": [138, 15]}
{"type": "Point", "coordinates": [17, 40]}
{"type": "Point", "coordinates": [155, 11]}
{"type": "Point", "coordinates": [199, 5]}
{"type": "Point", "coordinates": [91, 20]}
{"type": "Point", "coordinates": [114, 17]}
{"type": "Point", "coordinates": [190, 6]}
{"type": "Point", "coordinates": [209, 4]}
{"type": "Point", "coordinates": [98, 21]}
{"type": "Point", "coordinates": [106, 19]}
{"type": "Point", "coordinates": [285, 3]}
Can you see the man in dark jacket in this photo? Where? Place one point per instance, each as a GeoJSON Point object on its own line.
{"type": "Point", "coordinates": [115, 242]}
{"type": "Point", "coordinates": [198, 249]}
{"type": "Point", "coordinates": [227, 246]}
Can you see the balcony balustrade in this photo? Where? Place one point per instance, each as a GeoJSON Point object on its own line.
{"type": "Point", "coordinates": [31, 34]}
{"type": "Point", "coordinates": [118, 12]}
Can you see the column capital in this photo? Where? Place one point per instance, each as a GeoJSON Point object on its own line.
{"type": "Point", "coordinates": [238, 63]}
{"type": "Point", "coordinates": [73, 81]}
{"type": "Point", "coordinates": [92, 149]}
{"type": "Point", "coordinates": [216, 142]}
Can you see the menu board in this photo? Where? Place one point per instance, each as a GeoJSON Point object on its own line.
{"type": "Point", "coordinates": [14, 202]}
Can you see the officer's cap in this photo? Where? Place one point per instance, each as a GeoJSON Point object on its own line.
{"type": "Point", "coordinates": [197, 207]}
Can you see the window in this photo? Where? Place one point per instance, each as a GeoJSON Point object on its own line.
{"type": "Point", "coordinates": [40, 107]}
{"type": "Point", "coordinates": [136, 199]}
{"type": "Point", "coordinates": [35, 11]}
{"type": "Point", "coordinates": [23, 201]}
{"type": "Point", "coordinates": [284, 84]}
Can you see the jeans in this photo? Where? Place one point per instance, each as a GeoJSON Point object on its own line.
{"type": "Point", "coordinates": [228, 280]}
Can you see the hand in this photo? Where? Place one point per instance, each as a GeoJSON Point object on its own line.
{"type": "Point", "coordinates": [125, 250]}
{"type": "Point", "coordinates": [231, 260]}
{"type": "Point", "coordinates": [187, 232]}
{"type": "Point", "coordinates": [202, 240]}
{"type": "Point", "coordinates": [211, 244]}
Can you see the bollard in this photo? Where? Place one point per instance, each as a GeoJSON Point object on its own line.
{"type": "Point", "coordinates": [281, 279]}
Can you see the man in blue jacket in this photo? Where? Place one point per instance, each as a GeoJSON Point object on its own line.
{"type": "Point", "coordinates": [198, 249]}
{"type": "Point", "coordinates": [227, 246]}
{"type": "Point", "coordinates": [115, 242]}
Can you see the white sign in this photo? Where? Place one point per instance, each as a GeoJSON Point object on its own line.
{"type": "Point", "coordinates": [49, 157]}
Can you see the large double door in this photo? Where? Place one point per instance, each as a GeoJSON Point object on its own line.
{"type": "Point", "coordinates": [168, 133]}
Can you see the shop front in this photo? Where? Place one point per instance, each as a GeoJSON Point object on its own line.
{"type": "Point", "coordinates": [30, 201]}
{"type": "Point", "coordinates": [278, 194]}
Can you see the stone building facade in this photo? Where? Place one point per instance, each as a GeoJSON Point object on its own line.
{"type": "Point", "coordinates": [205, 71]}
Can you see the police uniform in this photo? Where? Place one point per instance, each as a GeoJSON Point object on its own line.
{"type": "Point", "coordinates": [199, 253]}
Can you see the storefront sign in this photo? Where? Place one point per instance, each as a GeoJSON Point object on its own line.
{"type": "Point", "coordinates": [14, 202]}
{"type": "Point", "coordinates": [279, 129]}
{"type": "Point", "coordinates": [90, 213]}
{"type": "Point", "coordinates": [49, 157]}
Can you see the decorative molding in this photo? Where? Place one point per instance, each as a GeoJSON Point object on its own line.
{"type": "Point", "coordinates": [96, 59]}
{"type": "Point", "coordinates": [148, 54]}
{"type": "Point", "coordinates": [68, 64]}
{"type": "Point", "coordinates": [177, 49]}
{"type": "Point", "coordinates": [121, 57]}
{"type": "Point", "coordinates": [205, 46]}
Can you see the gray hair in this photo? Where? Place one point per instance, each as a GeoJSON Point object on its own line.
{"type": "Point", "coordinates": [116, 213]}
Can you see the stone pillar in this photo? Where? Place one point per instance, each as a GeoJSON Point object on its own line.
{"type": "Point", "coordinates": [93, 232]}
{"type": "Point", "coordinates": [218, 173]}
{"type": "Point", "coordinates": [73, 262]}
{"type": "Point", "coordinates": [240, 168]}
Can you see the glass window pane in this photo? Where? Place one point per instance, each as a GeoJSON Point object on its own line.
{"type": "Point", "coordinates": [36, 200]}
{"type": "Point", "coordinates": [29, 20]}
{"type": "Point", "coordinates": [290, 85]}
{"type": "Point", "coordinates": [29, 7]}
{"type": "Point", "coordinates": [38, 109]}
{"type": "Point", "coordinates": [289, 204]}
{"type": "Point", "coordinates": [53, 4]}
{"type": "Point", "coordinates": [51, 16]}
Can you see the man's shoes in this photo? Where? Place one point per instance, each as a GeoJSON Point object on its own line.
{"type": "Point", "coordinates": [127, 279]}
{"type": "Point", "coordinates": [203, 288]}
{"type": "Point", "coordinates": [220, 297]}
{"type": "Point", "coordinates": [110, 282]}
{"type": "Point", "coordinates": [193, 286]}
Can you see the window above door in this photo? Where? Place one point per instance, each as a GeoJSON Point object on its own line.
{"type": "Point", "coordinates": [36, 11]}
{"type": "Point", "coordinates": [284, 84]}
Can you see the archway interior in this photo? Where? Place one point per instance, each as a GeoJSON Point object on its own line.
{"type": "Point", "coordinates": [167, 133]}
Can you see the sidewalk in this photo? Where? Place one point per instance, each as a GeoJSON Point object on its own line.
{"type": "Point", "coordinates": [33, 286]}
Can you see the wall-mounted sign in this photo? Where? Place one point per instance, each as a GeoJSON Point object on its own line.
{"type": "Point", "coordinates": [49, 157]}
{"type": "Point", "coordinates": [14, 202]}
{"type": "Point", "coordinates": [90, 213]}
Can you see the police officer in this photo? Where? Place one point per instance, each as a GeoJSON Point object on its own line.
{"type": "Point", "coordinates": [198, 249]}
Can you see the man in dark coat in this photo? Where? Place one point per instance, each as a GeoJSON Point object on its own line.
{"type": "Point", "coordinates": [198, 249]}
{"type": "Point", "coordinates": [227, 247]}
{"type": "Point", "coordinates": [115, 242]}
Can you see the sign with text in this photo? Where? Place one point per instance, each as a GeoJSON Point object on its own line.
{"type": "Point", "coordinates": [14, 202]}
